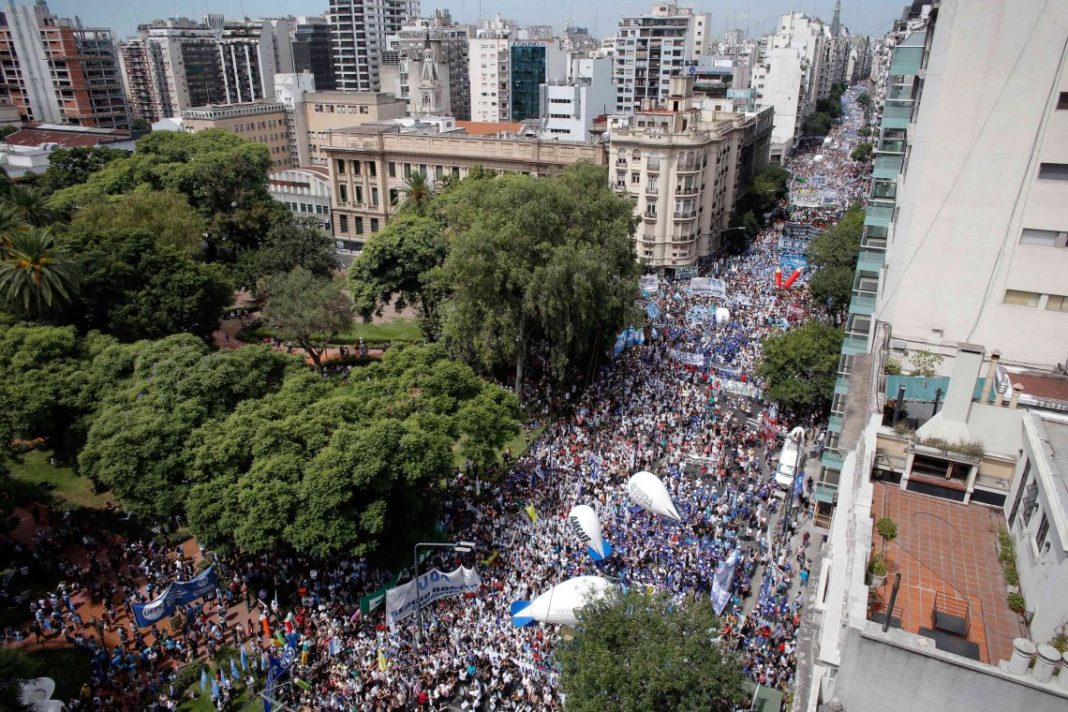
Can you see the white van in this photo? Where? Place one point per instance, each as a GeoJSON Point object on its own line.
{"type": "Point", "coordinates": [791, 458]}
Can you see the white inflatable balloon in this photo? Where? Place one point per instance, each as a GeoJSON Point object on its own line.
{"type": "Point", "coordinates": [723, 315]}
{"type": "Point", "coordinates": [587, 528]}
{"type": "Point", "coordinates": [561, 603]}
{"type": "Point", "coordinates": [649, 493]}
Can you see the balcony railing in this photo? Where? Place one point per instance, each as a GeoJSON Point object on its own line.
{"type": "Point", "coordinates": [686, 215]}
{"type": "Point", "coordinates": [686, 190]}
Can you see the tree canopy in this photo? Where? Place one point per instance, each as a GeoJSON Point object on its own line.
{"type": "Point", "coordinates": [165, 214]}
{"type": "Point", "coordinates": [642, 652]}
{"type": "Point", "coordinates": [306, 308]}
{"type": "Point", "coordinates": [799, 366]}
{"type": "Point", "coordinates": [37, 280]}
{"type": "Point", "coordinates": [833, 258]}
{"type": "Point", "coordinates": [134, 288]}
{"type": "Point", "coordinates": [538, 261]}
{"type": "Point", "coordinates": [290, 242]}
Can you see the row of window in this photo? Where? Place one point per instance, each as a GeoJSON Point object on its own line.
{"type": "Point", "coordinates": [308, 208]}
{"type": "Point", "coordinates": [343, 225]}
{"type": "Point", "coordinates": [1036, 300]}
{"type": "Point", "coordinates": [340, 109]}
{"type": "Point", "coordinates": [1026, 504]}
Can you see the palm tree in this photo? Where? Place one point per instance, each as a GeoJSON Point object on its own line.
{"type": "Point", "coordinates": [418, 190]}
{"type": "Point", "coordinates": [11, 224]}
{"type": "Point", "coordinates": [31, 204]}
{"type": "Point", "coordinates": [35, 278]}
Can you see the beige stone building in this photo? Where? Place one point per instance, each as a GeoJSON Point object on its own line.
{"type": "Point", "coordinates": [262, 121]}
{"type": "Point", "coordinates": [326, 111]}
{"type": "Point", "coordinates": [683, 167]}
{"type": "Point", "coordinates": [368, 165]}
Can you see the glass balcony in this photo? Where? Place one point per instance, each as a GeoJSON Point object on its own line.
{"type": "Point", "coordinates": [892, 146]}
{"type": "Point", "coordinates": [883, 190]}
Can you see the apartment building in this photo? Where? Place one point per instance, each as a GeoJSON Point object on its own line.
{"type": "Point", "coordinates": [261, 122]}
{"type": "Point", "coordinates": [368, 165]}
{"type": "Point", "coordinates": [490, 71]}
{"type": "Point", "coordinates": [682, 167]}
{"type": "Point", "coordinates": [359, 29]}
{"type": "Point", "coordinates": [650, 48]}
{"type": "Point", "coordinates": [306, 192]}
{"type": "Point", "coordinates": [57, 71]}
{"type": "Point", "coordinates": [426, 65]}
{"type": "Point", "coordinates": [961, 247]}
{"type": "Point", "coordinates": [251, 52]}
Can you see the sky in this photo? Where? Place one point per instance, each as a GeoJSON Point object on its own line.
{"type": "Point", "coordinates": [867, 17]}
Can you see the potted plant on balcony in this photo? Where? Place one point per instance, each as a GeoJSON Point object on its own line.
{"type": "Point", "coordinates": [887, 529]}
{"type": "Point", "coordinates": [876, 571]}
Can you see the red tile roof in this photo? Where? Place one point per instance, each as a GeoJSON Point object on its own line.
{"type": "Point", "coordinates": [1040, 385]}
{"type": "Point", "coordinates": [30, 136]}
{"type": "Point", "coordinates": [488, 128]}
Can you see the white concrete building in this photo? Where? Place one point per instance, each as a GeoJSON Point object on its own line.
{"type": "Point", "coordinates": [976, 245]}
{"type": "Point", "coordinates": [489, 70]}
{"type": "Point", "coordinates": [359, 29]}
{"type": "Point", "coordinates": [427, 65]}
{"type": "Point", "coordinates": [569, 108]}
{"type": "Point", "coordinates": [306, 192]}
{"type": "Point", "coordinates": [650, 48]}
{"type": "Point", "coordinates": [290, 91]}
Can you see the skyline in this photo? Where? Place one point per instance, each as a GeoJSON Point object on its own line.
{"type": "Point", "coordinates": [870, 17]}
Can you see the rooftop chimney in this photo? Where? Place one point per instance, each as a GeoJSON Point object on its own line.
{"type": "Point", "coordinates": [1017, 389]}
{"type": "Point", "coordinates": [951, 423]}
{"type": "Point", "coordinates": [991, 376]}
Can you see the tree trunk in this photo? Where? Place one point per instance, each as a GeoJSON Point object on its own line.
{"type": "Point", "coordinates": [520, 359]}
{"type": "Point", "coordinates": [310, 350]}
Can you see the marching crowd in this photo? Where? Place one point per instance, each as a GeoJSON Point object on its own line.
{"type": "Point", "coordinates": [701, 427]}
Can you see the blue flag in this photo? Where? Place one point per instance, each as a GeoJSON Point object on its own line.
{"type": "Point", "coordinates": [244, 658]}
{"type": "Point", "coordinates": [203, 679]}
{"type": "Point", "coordinates": [233, 669]}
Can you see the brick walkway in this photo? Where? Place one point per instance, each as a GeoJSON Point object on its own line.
{"type": "Point", "coordinates": [947, 547]}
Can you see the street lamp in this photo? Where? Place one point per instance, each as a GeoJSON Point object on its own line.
{"type": "Point", "coordinates": [460, 547]}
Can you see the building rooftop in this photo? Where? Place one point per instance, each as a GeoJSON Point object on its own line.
{"type": "Point", "coordinates": [947, 557]}
{"type": "Point", "coordinates": [65, 136]}
{"type": "Point", "coordinates": [489, 128]}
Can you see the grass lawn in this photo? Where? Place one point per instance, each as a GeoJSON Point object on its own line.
{"type": "Point", "coordinates": [69, 667]}
{"type": "Point", "coordinates": [399, 329]}
{"type": "Point", "coordinates": [33, 468]}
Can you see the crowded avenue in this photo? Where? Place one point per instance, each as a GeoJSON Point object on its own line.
{"type": "Point", "coordinates": [680, 400]}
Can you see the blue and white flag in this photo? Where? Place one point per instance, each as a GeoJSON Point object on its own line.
{"type": "Point", "coordinates": [721, 582]}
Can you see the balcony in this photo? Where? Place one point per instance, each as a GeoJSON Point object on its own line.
{"type": "Point", "coordinates": [892, 145]}
{"type": "Point", "coordinates": [649, 216]}
{"type": "Point", "coordinates": [653, 166]}
{"type": "Point", "coordinates": [685, 215]}
{"type": "Point", "coordinates": [651, 191]}
{"type": "Point", "coordinates": [688, 167]}
{"type": "Point", "coordinates": [683, 190]}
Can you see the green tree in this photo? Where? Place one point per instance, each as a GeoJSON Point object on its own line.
{"type": "Point", "coordinates": [291, 242]}
{"type": "Point", "coordinates": [925, 363]}
{"type": "Point", "coordinates": [817, 123]}
{"type": "Point", "coordinates": [864, 99]}
{"type": "Point", "coordinates": [640, 652]}
{"type": "Point", "coordinates": [138, 443]}
{"type": "Point", "coordinates": [799, 366]}
{"type": "Point", "coordinates": [36, 279]}
{"type": "Point", "coordinates": [833, 257]}
{"type": "Point", "coordinates": [141, 125]}
{"type": "Point", "coordinates": [11, 224]}
{"type": "Point", "coordinates": [546, 261]}
{"type": "Point", "coordinates": [769, 186]}
{"type": "Point", "coordinates": [486, 424]}
{"type": "Point", "coordinates": [166, 214]}
{"type": "Point", "coordinates": [307, 309]}
{"type": "Point", "coordinates": [71, 166]}
{"type": "Point", "coordinates": [15, 668]}
{"type": "Point", "coordinates": [30, 204]}
{"type": "Point", "coordinates": [418, 191]}
{"type": "Point", "coordinates": [135, 289]}
{"type": "Point", "coordinates": [396, 265]}
{"type": "Point", "coordinates": [862, 152]}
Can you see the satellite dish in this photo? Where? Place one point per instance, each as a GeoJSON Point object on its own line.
{"type": "Point", "coordinates": [691, 70]}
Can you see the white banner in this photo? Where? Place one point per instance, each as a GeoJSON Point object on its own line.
{"type": "Point", "coordinates": [649, 282]}
{"type": "Point", "coordinates": [688, 358]}
{"type": "Point", "coordinates": [721, 582]}
{"type": "Point", "coordinates": [401, 601]}
{"type": "Point", "coordinates": [747, 390]}
{"type": "Point", "coordinates": [708, 285]}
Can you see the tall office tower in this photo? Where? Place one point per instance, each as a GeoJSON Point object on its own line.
{"type": "Point", "coordinates": [650, 48]}
{"type": "Point", "coordinates": [57, 71]}
{"type": "Point", "coordinates": [533, 63]}
{"type": "Point", "coordinates": [313, 51]}
{"type": "Point", "coordinates": [251, 53]}
{"type": "Point", "coordinates": [427, 66]}
{"type": "Point", "coordinates": [359, 29]}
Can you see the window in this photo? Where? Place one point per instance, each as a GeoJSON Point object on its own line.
{"type": "Point", "coordinates": [1057, 302]}
{"type": "Point", "coordinates": [1022, 298]}
{"type": "Point", "coordinates": [393, 194]}
{"type": "Point", "coordinates": [1053, 171]}
{"type": "Point", "coordinates": [342, 193]}
{"type": "Point", "coordinates": [1041, 238]}
{"type": "Point", "coordinates": [372, 169]}
{"type": "Point", "coordinates": [1019, 493]}
{"type": "Point", "coordinates": [1030, 502]}
{"type": "Point", "coordinates": [1062, 101]}
{"type": "Point", "coordinates": [343, 224]}
{"type": "Point", "coordinates": [355, 168]}
{"type": "Point", "coordinates": [374, 196]}
{"type": "Point", "coordinates": [340, 167]}
{"type": "Point", "coordinates": [1040, 535]}
{"type": "Point", "coordinates": [359, 226]}
{"type": "Point", "coordinates": [635, 178]}
{"type": "Point", "coordinates": [392, 169]}
{"type": "Point", "coordinates": [374, 224]}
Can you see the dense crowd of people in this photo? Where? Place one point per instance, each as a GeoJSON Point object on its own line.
{"type": "Point", "coordinates": [686, 405]}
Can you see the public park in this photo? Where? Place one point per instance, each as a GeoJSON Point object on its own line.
{"type": "Point", "coordinates": [491, 465]}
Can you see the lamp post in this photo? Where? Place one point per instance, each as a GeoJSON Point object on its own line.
{"type": "Point", "coordinates": [460, 547]}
